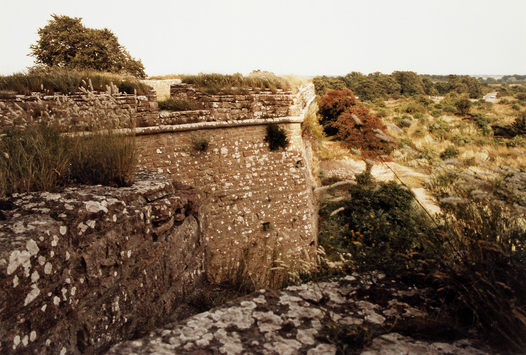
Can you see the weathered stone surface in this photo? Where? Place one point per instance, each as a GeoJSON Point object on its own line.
{"type": "Point", "coordinates": [259, 208]}
{"type": "Point", "coordinates": [86, 267]}
{"type": "Point", "coordinates": [250, 104]}
{"type": "Point", "coordinates": [298, 320]}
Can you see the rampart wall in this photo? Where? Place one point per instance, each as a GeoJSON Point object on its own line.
{"type": "Point", "coordinates": [85, 268]}
{"type": "Point", "coordinates": [258, 213]}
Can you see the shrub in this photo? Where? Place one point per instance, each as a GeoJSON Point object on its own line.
{"type": "Point", "coordinates": [450, 152]}
{"type": "Point", "coordinates": [419, 133]}
{"type": "Point", "coordinates": [376, 227]}
{"type": "Point", "coordinates": [516, 107]}
{"type": "Point", "coordinates": [463, 105]}
{"type": "Point", "coordinates": [276, 137]}
{"type": "Point", "coordinates": [436, 113]}
{"type": "Point", "coordinates": [517, 141]}
{"type": "Point", "coordinates": [403, 122]}
{"type": "Point", "coordinates": [449, 109]}
{"type": "Point", "coordinates": [519, 125]}
{"type": "Point", "coordinates": [200, 143]}
{"type": "Point", "coordinates": [354, 125]}
{"type": "Point", "coordinates": [332, 105]}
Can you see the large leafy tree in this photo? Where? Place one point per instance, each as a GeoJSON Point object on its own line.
{"type": "Point", "coordinates": [65, 42]}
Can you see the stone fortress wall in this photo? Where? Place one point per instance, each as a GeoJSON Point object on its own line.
{"type": "Point", "coordinates": [258, 212]}
{"type": "Point", "coordinates": [86, 268]}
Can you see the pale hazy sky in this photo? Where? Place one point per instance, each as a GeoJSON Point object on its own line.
{"type": "Point", "coordinates": [306, 37]}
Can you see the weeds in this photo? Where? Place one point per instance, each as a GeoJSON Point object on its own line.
{"type": "Point", "coordinates": [200, 143]}
{"type": "Point", "coordinates": [276, 137]}
{"type": "Point", "coordinates": [104, 158]}
{"type": "Point", "coordinates": [34, 159]}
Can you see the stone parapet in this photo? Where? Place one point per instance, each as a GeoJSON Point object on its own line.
{"type": "Point", "coordinates": [81, 111]}
{"type": "Point", "coordinates": [248, 104]}
{"type": "Point", "coordinates": [86, 267]}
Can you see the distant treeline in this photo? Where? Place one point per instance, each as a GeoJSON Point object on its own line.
{"type": "Point", "coordinates": [506, 79]}
{"type": "Point", "coordinates": [400, 83]}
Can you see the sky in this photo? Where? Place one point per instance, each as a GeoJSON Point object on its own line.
{"type": "Point", "coordinates": [303, 37]}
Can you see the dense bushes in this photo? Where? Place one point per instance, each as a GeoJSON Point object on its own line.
{"type": "Point", "coordinates": [472, 257]}
{"type": "Point", "coordinates": [399, 83]}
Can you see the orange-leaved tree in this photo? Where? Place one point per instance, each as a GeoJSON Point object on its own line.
{"type": "Point", "coordinates": [352, 123]}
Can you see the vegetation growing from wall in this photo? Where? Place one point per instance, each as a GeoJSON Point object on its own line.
{"type": "Point", "coordinates": [60, 80]}
{"type": "Point", "coordinates": [171, 104]}
{"type": "Point", "coordinates": [276, 137]}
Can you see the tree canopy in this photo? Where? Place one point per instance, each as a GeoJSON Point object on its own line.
{"type": "Point", "coordinates": [66, 42]}
{"type": "Point", "coordinates": [399, 83]}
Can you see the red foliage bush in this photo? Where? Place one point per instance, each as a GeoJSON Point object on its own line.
{"type": "Point", "coordinates": [354, 125]}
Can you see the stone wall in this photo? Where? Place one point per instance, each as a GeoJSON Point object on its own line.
{"type": "Point", "coordinates": [250, 104]}
{"type": "Point", "coordinates": [87, 267]}
{"type": "Point", "coordinates": [258, 213]}
{"type": "Point", "coordinates": [81, 111]}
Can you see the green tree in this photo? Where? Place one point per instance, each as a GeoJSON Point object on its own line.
{"type": "Point", "coordinates": [463, 106]}
{"type": "Point", "coordinates": [410, 83]}
{"type": "Point", "coordinates": [66, 43]}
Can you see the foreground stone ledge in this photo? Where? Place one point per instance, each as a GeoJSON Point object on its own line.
{"type": "Point", "coordinates": [296, 320]}
{"type": "Point", "coordinates": [89, 266]}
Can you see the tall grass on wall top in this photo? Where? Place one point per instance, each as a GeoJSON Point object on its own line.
{"type": "Point", "coordinates": [220, 83]}
{"type": "Point", "coordinates": [60, 80]}
{"type": "Point", "coordinates": [32, 159]}
{"type": "Point", "coordinates": [41, 158]}
{"type": "Point", "coordinates": [104, 157]}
